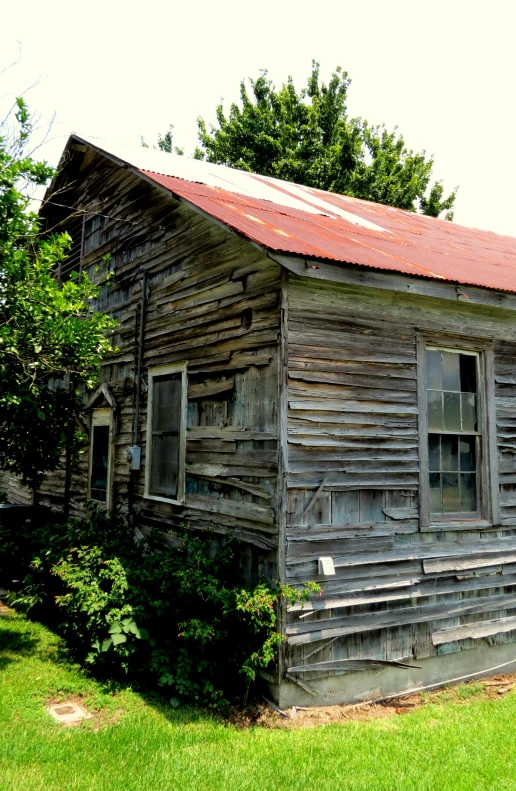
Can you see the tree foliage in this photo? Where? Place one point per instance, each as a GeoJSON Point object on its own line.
{"type": "Point", "coordinates": [307, 137]}
{"type": "Point", "coordinates": [47, 331]}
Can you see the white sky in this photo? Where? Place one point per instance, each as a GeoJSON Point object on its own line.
{"type": "Point", "coordinates": [443, 71]}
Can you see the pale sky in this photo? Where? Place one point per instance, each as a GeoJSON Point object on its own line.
{"type": "Point", "coordinates": [444, 72]}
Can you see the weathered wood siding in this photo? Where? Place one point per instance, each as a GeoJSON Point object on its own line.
{"type": "Point", "coordinates": [201, 278]}
{"type": "Point", "coordinates": [353, 480]}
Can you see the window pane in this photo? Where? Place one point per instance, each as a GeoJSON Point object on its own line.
{"type": "Point", "coordinates": [435, 409]}
{"type": "Point", "coordinates": [434, 452]}
{"type": "Point", "coordinates": [469, 412]}
{"type": "Point", "coordinates": [450, 453]}
{"type": "Point", "coordinates": [467, 454]}
{"type": "Point", "coordinates": [164, 435]}
{"type": "Point", "coordinates": [435, 493]}
{"type": "Point", "coordinates": [454, 423]}
{"type": "Point", "coordinates": [164, 465]}
{"type": "Point", "coordinates": [452, 411]}
{"type": "Point", "coordinates": [468, 373]}
{"type": "Point", "coordinates": [433, 370]}
{"type": "Point", "coordinates": [468, 492]}
{"type": "Point", "coordinates": [451, 499]}
{"type": "Point", "coordinates": [166, 400]}
{"type": "Point", "coordinates": [99, 463]}
{"type": "Point", "coordinates": [451, 371]}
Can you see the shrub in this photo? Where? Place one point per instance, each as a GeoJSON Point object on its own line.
{"type": "Point", "coordinates": [177, 617]}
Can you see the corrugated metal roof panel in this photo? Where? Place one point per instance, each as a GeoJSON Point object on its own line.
{"type": "Point", "coordinates": [293, 219]}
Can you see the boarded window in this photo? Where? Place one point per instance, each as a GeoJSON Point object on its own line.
{"type": "Point", "coordinates": [100, 456]}
{"type": "Point", "coordinates": [166, 434]}
{"type": "Point", "coordinates": [454, 431]}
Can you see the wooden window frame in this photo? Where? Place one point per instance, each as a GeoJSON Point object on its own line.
{"type": "Point", "coordinates": [154, 372]}
{"type": "Point", "coordinates": [103, 416]}
{"type": "Point", "coordinates": [488, 490]}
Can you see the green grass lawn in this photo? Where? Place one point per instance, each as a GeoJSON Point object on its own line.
{"type": "Point", "coordinates": [134, 745]}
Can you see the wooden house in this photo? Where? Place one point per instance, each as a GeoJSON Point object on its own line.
{"type": "Point", "coordinates": [330, 380]}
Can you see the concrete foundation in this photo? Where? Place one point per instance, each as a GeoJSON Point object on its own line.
{"type": "Point", "coordinates": [376, 684]}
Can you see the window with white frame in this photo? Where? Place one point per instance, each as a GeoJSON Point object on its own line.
{"type": "Point", "coordinates": [101, 456]}
{"type": "Point", "coordinates": [456, 442]}
{"type": "Point", "coordinates": [166, 429]}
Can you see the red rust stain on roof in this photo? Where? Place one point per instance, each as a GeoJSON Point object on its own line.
{"type": "Point", "coordinates": [404, 241]}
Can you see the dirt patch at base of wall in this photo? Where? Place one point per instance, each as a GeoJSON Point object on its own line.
{"type": "Point", "coordinates": [262, 714]}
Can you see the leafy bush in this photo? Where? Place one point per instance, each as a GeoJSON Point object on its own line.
{"type": "Point", "coordinates": [175, 616]}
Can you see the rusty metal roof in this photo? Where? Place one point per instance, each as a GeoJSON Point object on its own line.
{"type": "Point", "coordinates": [291, 219]}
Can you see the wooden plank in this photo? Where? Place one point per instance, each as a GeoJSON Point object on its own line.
{"type": "Point", "coordinates": [314, 498]}
{"type": "Point", "coordinates": [342, 479]}
{"type": "Point", "coordinates": [343, 405]}
{"type": "Point", "coordinates": [238, 361]}
{"type": "Point", "coordinates": [353, 368]}
{"type": "Point", "coordinates": [348, 665]}
{"type": "Point", "coordinates": [321, 532]}
{"type": "Point", "coordinates": [345, 509]}
{"type": "Point", "coordinates": [460, 564]}
{"type": "Point", "coordinates": [229, 433]}
{"type": "Point", "coordinates": [304, 551]}
{"type": "Point", "coordinates": [392, 281]}
{"type": "Point", "coordinates": [454, 553]}
{"type": "Point", "coordinates": [417, 590]}
{"type": "Point", "coordinates": [353, 624]}
{"type": "Point", "coordinates": [474, 631]}
{"type": "Point", "coordinates": [341, 379]}
{"type": "Point", "coordinates": [371, 503]}
{"type": "Point", "coordinates": [388, 584]}
{"type": "Point", "coordinates": [401, 513]}
{"type": "Point", "coordinates": [249, 511]}
{"type": "Point", "coordinates": [254, 489]}
{"type": "Point", "coordinates": [235, 470]}
{"type": "Point", "coordinates": [207, 389]}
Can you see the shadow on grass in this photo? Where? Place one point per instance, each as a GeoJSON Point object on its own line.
{"type": "Point", "coordinates": [14, 645]}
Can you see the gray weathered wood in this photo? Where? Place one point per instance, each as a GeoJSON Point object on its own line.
{"type": "Point", "coordinates": [332, 627]}
{"type": "Point", "coordinates": [474, 631]}
{"type": "Point", "coordinates": [348, 665]}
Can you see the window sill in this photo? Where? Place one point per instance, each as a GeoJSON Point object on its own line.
{"type": "Point", "coordinates": [459, 524]}
{"type": "Point", "coordinates": [159, 499]}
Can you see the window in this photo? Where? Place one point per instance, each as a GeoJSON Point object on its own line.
{"type": "Point", "coordinates": [454, 439]}
{"type": "Point", "coordinates": [166, 425]}
{"type": "Point", "coordinates": [456, 444]}
{"type": "Point", "coordinates": [101, 457]}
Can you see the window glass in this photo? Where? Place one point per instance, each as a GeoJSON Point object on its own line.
{"type": "Point", "coordinates": [453, 437]}
{"type": "Point", "coordinates": [99, 463]}
{"type": "Point", "coordinates": [165, 435]}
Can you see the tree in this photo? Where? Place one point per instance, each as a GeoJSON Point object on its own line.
{"type": "Point", "coordinates": [47, 331]}
{"type": "Point", "coordinates": [308, 138]}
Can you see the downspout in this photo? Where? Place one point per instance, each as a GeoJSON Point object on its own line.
{"type": "Point", "coordinates": [71, 425]}
{"type": "Point", "coordinates": [137, 397]}
{"type": "Point", "coordinates": [70, 428]}
{"type": "Point", "coordinates": [136, 416]}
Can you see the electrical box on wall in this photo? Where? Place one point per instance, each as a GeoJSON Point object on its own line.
{"type": "Point", "coordinates": [134, 457]}
{"type": "Point", "coordinates": [325, 566]}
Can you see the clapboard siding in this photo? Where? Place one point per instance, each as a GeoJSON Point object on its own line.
{"type": "Point", "coordinates": [353, 484]}
{"type": "Point", "coordinates": [303, 422]}
{"type": "Point", "coordinates": [201, 279]}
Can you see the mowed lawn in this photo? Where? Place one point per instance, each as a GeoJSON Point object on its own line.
{"type": "Point", "coordinates": [134, 745]}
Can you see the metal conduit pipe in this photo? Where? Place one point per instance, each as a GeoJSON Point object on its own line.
{"type": "Point", "coordinates": [136, 413]}
{"type": "Point", "coordinates": [133, 455]}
